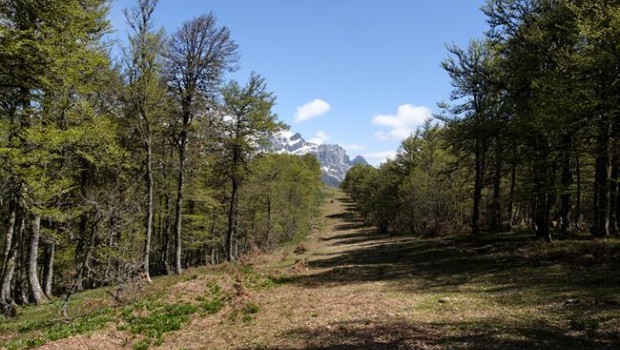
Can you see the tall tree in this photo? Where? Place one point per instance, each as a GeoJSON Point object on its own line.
{"type": "Point", "coordinates": [473, 105]}
{"type": "Point", "coordinates": [599, 34]}
{"type": "Point", "coordinates": [199, 54]}
{"type": "Point", "coordinates": [248, 123]}
{"type": "Point", "coordinates": [146, 99]}
{"type": "Point", "coordinates": [51, 61]}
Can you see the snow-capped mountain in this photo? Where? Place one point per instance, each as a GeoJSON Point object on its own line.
{"type": "Point", "coordinates": [334, 160]}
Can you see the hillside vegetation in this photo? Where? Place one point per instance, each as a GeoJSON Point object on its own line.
{"type": "Point", "coordinates": [115, 169]}
{"type": "Point", "coordinates": [351, 287]}
{"type": "Point", "coordinates": [140, 206]}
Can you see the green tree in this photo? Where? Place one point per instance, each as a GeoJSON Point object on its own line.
{"type": "Point", "coordinates": [51, 64]}
{"type": "Point", "coordinates": [474, 107]}
{"type": "Point", "coordinates": [146, 100]}
{"type": "Point", "coordinates": [199, 54]}
{"type": "Point", "coordinates": [598, 23]}
{"type": "Point", "coordinates": [248, 123]}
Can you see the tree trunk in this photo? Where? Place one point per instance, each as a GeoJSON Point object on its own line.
{"type": "Point", "coordinates": [83, 237]}
{"type": "Point", "coordinates": [80, 251]}
{"type": "Point", "coordinates": [600, 227]}
{"type": "Point", "coordinates": [496, 215]}
{"type": "Point", "coordinates": [88, 239]}
{"type": "Point", "coordinates": [33, 253]}
{"type": "Point", "coordinates": [10, 230]}
{"type": "Point", "coordinates": [48, 275]}
{"type": "Point", "coordinates": [475, 217]}
{"type": "Point", "coordinates": [10, 256]}
{"type": "Point", "coordinates": [166, 239]}
{"type": "Point", "coordinates": [178, 268]}
{"type": "Point", "coordinates": [21, 283]}
{"type": "Point", "coordinates": [167, 217]}
{"type": "Point", "coordinates": [149, 209]}
{"type": "Point", "coordinates": [543, 208]}
{"type": "Point", "coordinates": [269, 224]}
{"type": "Point", "coordinates": [578, 213]}
{"type": "Point", "coordinates": [614, 208]}
{"type": "Point", "coordinates": [567, 181]}
{"type": "Point", "coordinates": [232, 220]}
{"type": "Point", "coordinates": [511, 201]}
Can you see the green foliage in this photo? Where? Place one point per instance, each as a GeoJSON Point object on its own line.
{"type": "Point", "coordinates": [52, 330]}
{"type": "Point", "coordinates": [142, 344]}
{"type": "Point", "coordinates": [259, 280]}
{"type": "Point", "coordinates": [91, 323]}
{"type": "Point", "coordinates": [247, 312]}
{"type": "Point", "coordinates": [417, 192]}
{"type": "Point", "coordinates": [154, 319]}
{"type": "Point", "coordinates": [280, 199]}
{"type": "Point", "coordinates": [78, 132]}
{"type": "Point", "coordinates": [215, 300]}
{"type": "Point", "coordinates": [531, 125]}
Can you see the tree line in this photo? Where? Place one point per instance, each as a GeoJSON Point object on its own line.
{"type": "Point", "coordinates": [530, 137]}
{"type": "Point", "coordinates": [115, 169]}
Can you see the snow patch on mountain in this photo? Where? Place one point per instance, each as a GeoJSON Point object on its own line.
{"type": "Point", "coordinates": [333, 158]}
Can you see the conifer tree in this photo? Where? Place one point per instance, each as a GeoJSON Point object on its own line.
{"type": "Point", "coordinates": [247, 125]}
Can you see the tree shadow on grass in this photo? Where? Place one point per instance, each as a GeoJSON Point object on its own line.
{"type": "Point", "coordinates": [352, 226]}
{"type": "Point", "coordinates": [513, 269]}
{"type": "Point", "coordinates": [403, 334]}
{"type": "Point", "coordinates": [346, 216]}
{"type": "Point", "coordinates": [346, 200]}
{"type": "Point", "coordinates": [359, 234]}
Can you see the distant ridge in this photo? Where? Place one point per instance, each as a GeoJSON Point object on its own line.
{"type": "Point", "coordinates": [333, 158]}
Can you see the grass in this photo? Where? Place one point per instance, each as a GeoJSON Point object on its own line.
{"type": "Point", "coordinates": [148, 316]}
{"type": "Point", "coordinates": [33, 333]}
{"type": "Point", "coordinates": [246, 313]}
{"type": "Point", "coordinates": [503, 290]}
{"type": "Point", "coordinates": [362, 290]}
{"type": "Point", "coordinates": [152, 320]}
{"type": "Point", "coordinates": [216, 300]}
{"type": "Point", "coordinates": [144, 314]}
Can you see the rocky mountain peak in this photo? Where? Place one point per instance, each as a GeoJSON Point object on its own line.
{"type": "Point", "coordinates": [333, 158]}
{"type": "Point", "coordinates": [359, 160]}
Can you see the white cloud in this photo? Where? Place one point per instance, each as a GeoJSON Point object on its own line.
{"type": "Point", "coordinates": [353, 147]}
{"type": "Point", "coordinates": [311, 110]}
{"type": "Point", "coordinates": [406, 120]}
{"type": "Point", "coordinates": [376, 158]}
{"type": "Point", "coordinates": [395, 134]}
{"type": "Point", "coordinates": [319, 138]}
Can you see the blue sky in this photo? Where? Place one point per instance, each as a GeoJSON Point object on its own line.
{"type": "Point", "coordinates": [359, 73]}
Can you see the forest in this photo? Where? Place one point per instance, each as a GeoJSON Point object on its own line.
{"type": "Point", "coordinates": [114, 169]}
{"type": "Point", "coordinates": [141, 205]}
{"type": "Point", "coordinates": [530, 138]}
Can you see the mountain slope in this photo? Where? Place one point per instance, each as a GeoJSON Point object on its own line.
{"type": "Point", "coordinates": [333, 158]}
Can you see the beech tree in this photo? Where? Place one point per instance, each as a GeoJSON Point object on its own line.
{"type": "Point", "coordinates": [87, 145]}
{"type": "Point", "coordinates": [199, 54]}
{"type": "Point", "coordinates": [146, 100]}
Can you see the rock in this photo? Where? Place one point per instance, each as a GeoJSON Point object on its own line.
{"type": "Point", "coordinates": [333, 158]}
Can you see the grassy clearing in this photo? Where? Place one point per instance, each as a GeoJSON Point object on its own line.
{"type": "Point", "coordinates": [502, 291]}
{"type": "Point", "coordinates": [150, 314]}
{"type": "Point", "coordinates": [354, 289]}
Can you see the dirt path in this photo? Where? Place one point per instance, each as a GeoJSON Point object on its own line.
{"type": "Point", "coordinates": [355, 289]}
{"type": "Point", "coordinates": [332, 301]}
